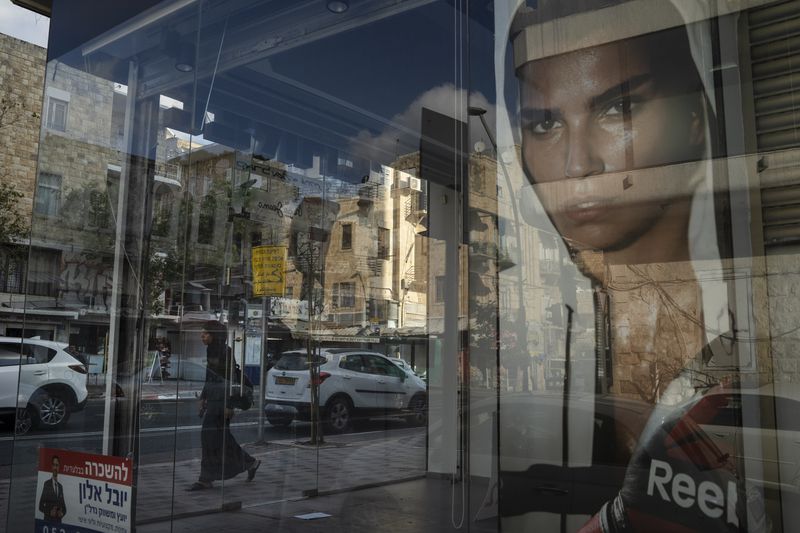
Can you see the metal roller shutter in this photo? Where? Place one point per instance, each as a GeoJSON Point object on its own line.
{"type": "Point", "coordinates": [775, 56]}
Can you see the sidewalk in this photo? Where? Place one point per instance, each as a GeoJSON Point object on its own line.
{"type": "Point", "coordinates": [398, 496]}
{"type": "Point", "coordinates": [421, 506]}
{"type": "Point", "coordinates": [287, 471]}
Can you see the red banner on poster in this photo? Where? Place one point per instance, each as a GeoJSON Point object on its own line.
{"type": "Point", "coordinates": [87, 465]}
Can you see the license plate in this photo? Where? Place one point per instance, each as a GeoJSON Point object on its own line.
{"type": "Point", "coordinates": [284, 380]}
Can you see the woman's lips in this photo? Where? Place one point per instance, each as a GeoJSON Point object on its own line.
{"type": "Point", "coordinates": [586, 211]}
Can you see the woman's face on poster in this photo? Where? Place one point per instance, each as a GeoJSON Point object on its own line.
{"type": "Point", "coordinates": [595, 124]}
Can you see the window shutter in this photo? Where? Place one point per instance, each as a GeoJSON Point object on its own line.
{"type": "Point", "coordinates": [775, 61]}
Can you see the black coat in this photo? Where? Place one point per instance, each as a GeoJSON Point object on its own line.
{"type": "Point", "coordinates": [223, 458]}
{"type": "Point", "coordinates": [52, 499]}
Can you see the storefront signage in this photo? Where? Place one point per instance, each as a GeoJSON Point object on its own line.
{"type": "Point", "coordinates": [269, 270]}
{"type": "Point", "coordinates": [83, 493]}
{"type": "Point", "coordinates": [263, 168]}
{"type": "Point", "coordinates": [288, 308]}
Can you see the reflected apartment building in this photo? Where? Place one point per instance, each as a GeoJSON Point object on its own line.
{"type": "Point", "coordinates": [59, 288]}
{"type": "Point", "coordinates": [375, 274]}
{"type": "Point", "coordinates": [576, 221]}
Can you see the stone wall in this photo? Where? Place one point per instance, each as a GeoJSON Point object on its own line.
{"type": "Point", "coordinates": [90, 100]}
{"type": "Point", "coordinates": [783, 284]}
{"type": "Point", "coordinates": [22, 67]}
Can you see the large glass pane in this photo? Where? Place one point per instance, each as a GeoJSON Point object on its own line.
{"type": "Point", "coordinates": [518, 265]}
{"type": "Point", "coordinates": [642, 235]}
{"type": "Point", "coordinates": [260, 209]}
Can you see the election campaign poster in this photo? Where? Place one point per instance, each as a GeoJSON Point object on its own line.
{"type": "Point", "coordinates": [83, 493]}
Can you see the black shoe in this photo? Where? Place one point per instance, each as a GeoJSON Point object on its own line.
{"type": "Point", "coordinates": [251, 472]}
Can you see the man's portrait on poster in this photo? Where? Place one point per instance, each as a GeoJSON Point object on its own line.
{"type": "Point", "coordinates": [51, 500]}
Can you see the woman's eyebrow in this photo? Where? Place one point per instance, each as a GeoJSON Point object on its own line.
{"type": "Point", "coordinates": [631, 84]}
{"type": "Point", "coordinates": [531, 114]}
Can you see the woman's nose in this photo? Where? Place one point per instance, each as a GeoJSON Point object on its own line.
{"type": "Point", "coordinates": [583, 158]}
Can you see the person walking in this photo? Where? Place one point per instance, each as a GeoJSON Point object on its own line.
{"type": "Point", "coordinates": [222, 457]}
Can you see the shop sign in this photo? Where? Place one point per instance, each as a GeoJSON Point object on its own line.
{"type": "Point", "coordinates": [269, 270]}
{"type": "Point", "coordinates": [289, 308]}
{"type": "Point", "coordinates": [273, 206]}
{"type": "Point", "coordinates": [83, 493]}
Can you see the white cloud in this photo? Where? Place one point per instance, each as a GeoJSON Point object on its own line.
{"type": "Point", "coordinates": [23, 24]}
{"type": "Point", "coordinates": [403, 134]}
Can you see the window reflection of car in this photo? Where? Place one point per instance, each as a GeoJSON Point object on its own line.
{"type": "Point", "coordinates": [272, 359]}
{"type": "Point", "coordinates": [41, 383]}
{"type": "Point", "coordinates": [352, 382]}
{"type": "Point", "coordinates": [401, 363]}
{"type": "Point", "coordinates": [405, 365]}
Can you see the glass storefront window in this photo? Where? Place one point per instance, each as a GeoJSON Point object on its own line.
{"type": "Point", "coordinates": [232, 235]}
{"type": "Point", "coordinates": [519, 265]}
{"type": "Point", "coordinates": [647, 390]}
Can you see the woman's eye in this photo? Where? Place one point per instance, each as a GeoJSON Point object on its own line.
{"type": "Point", "coordinates": [545, 126]}
{"type": "Point", "coordinates": [621, 107]}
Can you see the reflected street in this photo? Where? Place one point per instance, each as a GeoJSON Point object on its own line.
{"type": "Point", "coordinates": [179, 425]}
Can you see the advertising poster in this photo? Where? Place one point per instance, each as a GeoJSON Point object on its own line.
{"type": "Point", "coordinates": [83, 493]}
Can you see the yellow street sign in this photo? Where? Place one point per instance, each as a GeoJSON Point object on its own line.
{"type": "Point", "coordinates": [269, 270]}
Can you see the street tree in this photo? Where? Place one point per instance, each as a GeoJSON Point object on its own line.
{"type": "Point", "coordinates": [13, 226]}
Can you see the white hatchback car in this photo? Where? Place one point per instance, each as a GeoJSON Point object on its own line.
{"type": "Point", "coordinates": [352, 382]}
{"type": "Point", "coordinates": [40, 382]}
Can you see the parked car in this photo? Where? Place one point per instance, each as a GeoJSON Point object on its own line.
{"type": "Point", "coordinates": [402, 363]}
{"type": "Point", "coordinates": [41, 383]}
{"type": "Point", "coordinates": [352, 382]}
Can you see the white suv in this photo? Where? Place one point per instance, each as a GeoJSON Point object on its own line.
{"type": "Point", "coordinates": [40, 382]}
{"type": "Point", "coordinates": [352, 382]}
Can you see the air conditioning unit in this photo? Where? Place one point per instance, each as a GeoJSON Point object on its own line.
{"type": "Point", "coordinates": [402, 180]}
{"type": "Point", "coordinates": [415, 183]}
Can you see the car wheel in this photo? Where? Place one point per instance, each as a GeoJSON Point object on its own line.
{"type": "Point", "coordinates": [279, 421]}
{"type": "Point", "coordinates": [52, 411]}
{"type": "Point", "coordinates": [419, 411]}
{"type": "Point", "coordinates": [338, 414]}
{"type": "Point", "coordinates": [23, 421]}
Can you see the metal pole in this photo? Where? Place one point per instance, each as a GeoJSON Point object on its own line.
{"type": "Point", "coordinates": [262, 368]}
{"type": "Point", "coordinates": [316, 437]}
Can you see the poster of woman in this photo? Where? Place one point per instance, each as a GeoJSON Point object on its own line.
{"type": "Point", "coordinates": [611, 109]}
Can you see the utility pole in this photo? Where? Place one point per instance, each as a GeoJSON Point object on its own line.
{"type": "Point", "coordinates": [262, 367]}
{"type": "Point", "coordinates": [313, 367]}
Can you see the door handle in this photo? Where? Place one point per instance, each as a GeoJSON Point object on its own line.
{"type": "Point", "coordinates": [347, 377]}
{"type": "Point", "coordinates": [721, 435]}
{"type": "Point", "coordinates": [40, 373]}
